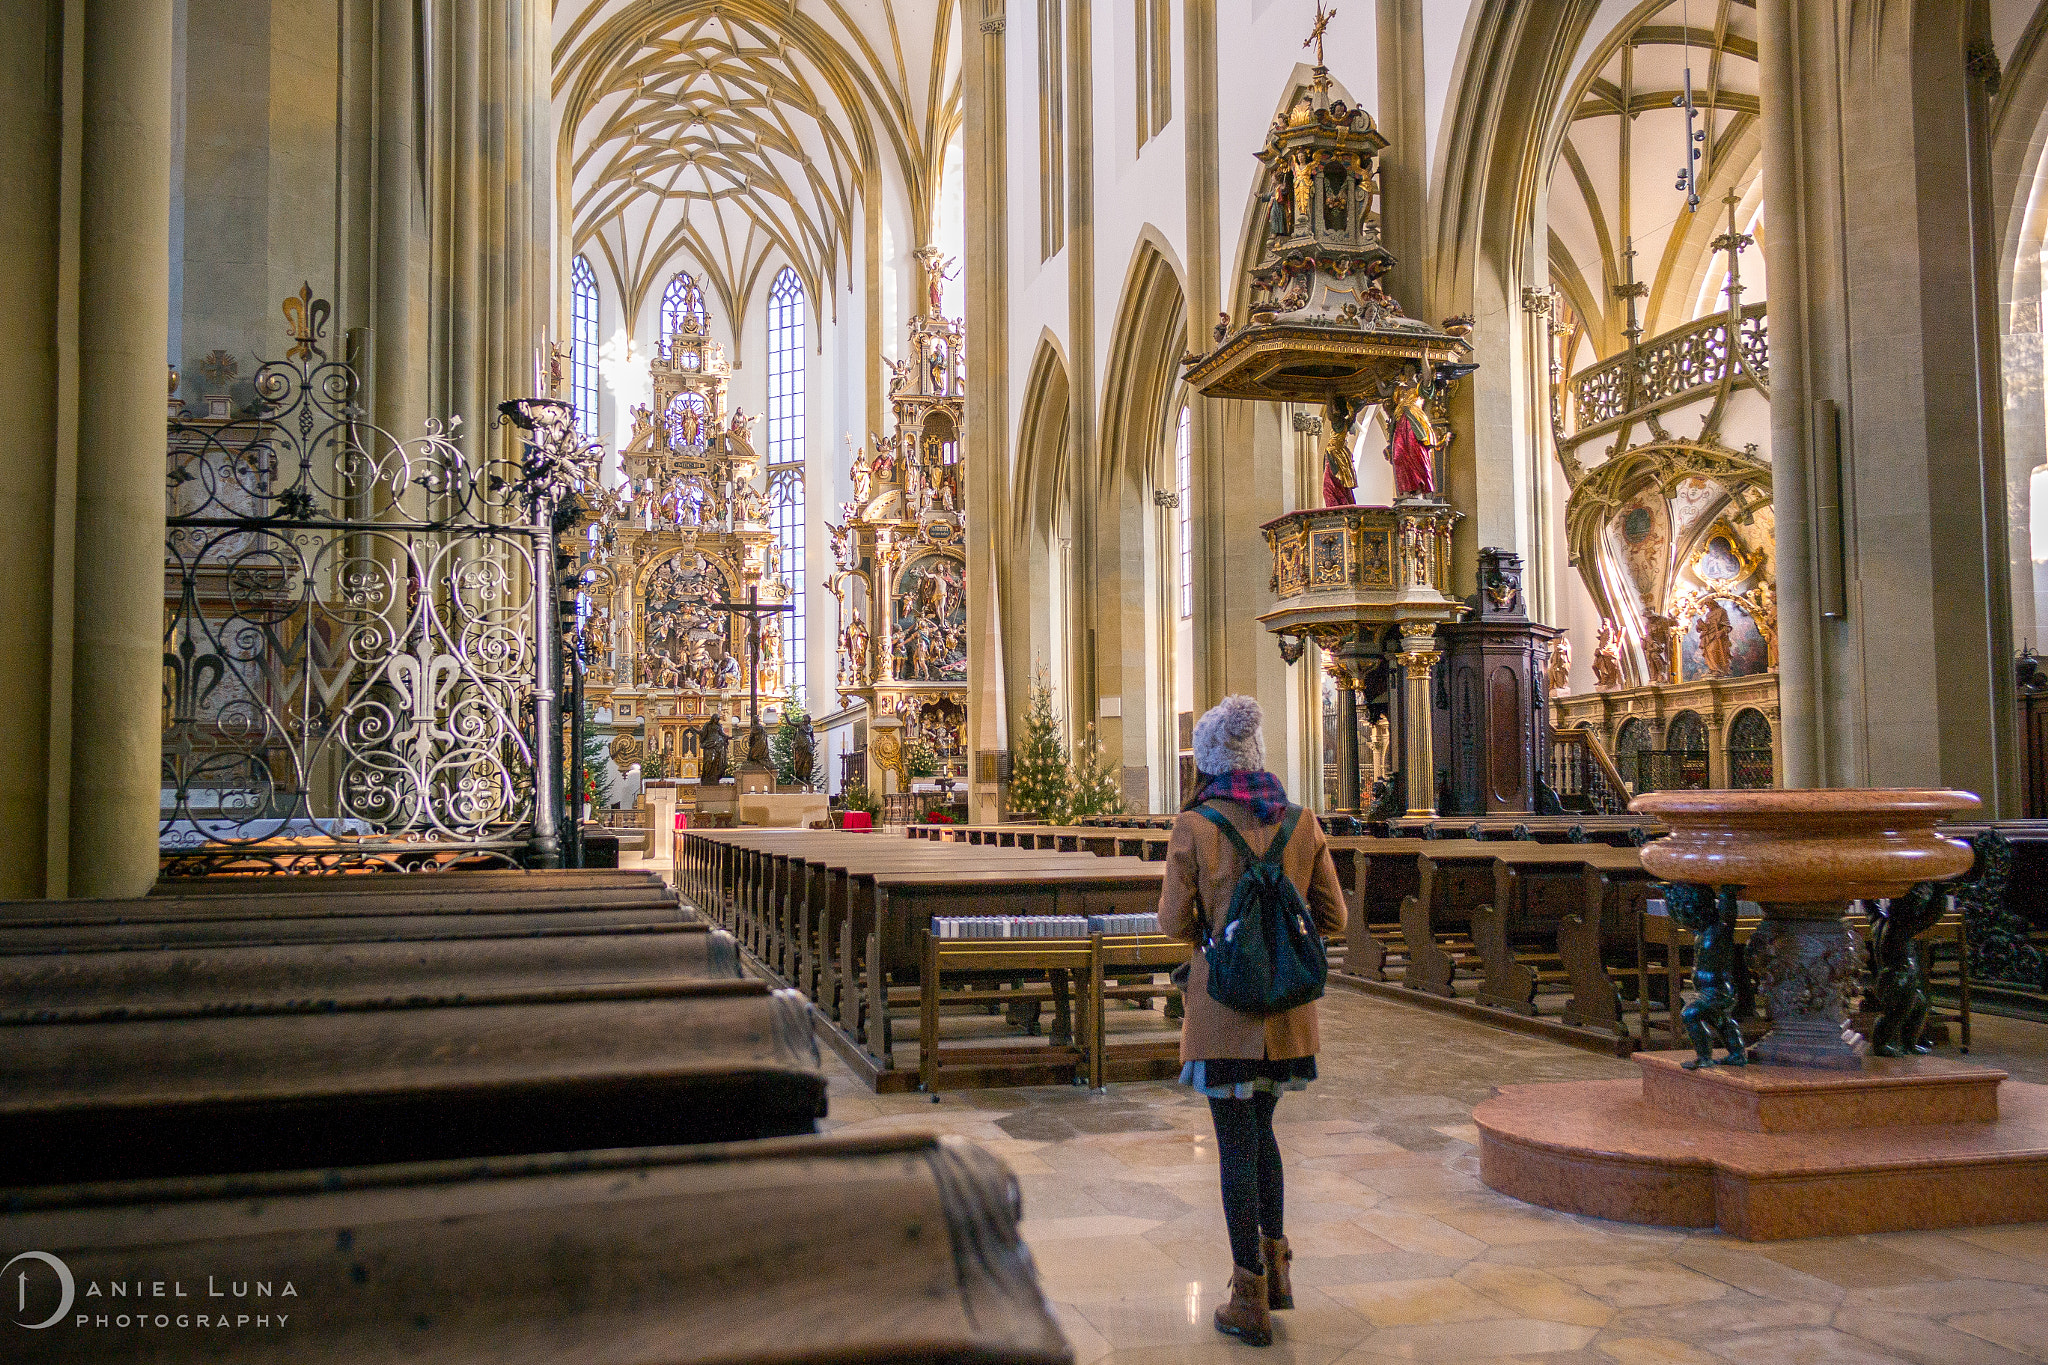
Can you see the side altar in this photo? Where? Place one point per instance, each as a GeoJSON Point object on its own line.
{"type": "Point", "coordinates": [670, 659]}
{"type": "Point", "coordinates": [899, 564]}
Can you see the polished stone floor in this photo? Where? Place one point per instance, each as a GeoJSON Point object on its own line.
{"type": "Point", "coordinates": [1402, 1255]}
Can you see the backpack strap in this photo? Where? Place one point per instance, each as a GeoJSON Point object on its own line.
{"type": "Point", "coordinates": [1275, 851]}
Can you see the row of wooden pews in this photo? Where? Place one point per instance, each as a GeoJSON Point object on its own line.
{"type": "Point", "coordinates": [1524, 914]}
{"type": "Point", "coordinates": [479, 1116]}
{"type": "Point", "coordinates": [845, 918]}
{"type": "Point", "coordinates": [1540, 922]}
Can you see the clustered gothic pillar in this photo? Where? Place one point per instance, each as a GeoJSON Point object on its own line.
{"type": "Point", "coordinates": [84, 308]}
{"type": "Point", "coordinates": [123, 333]}
{"type": "Point", "coordinates": [1894, 599]}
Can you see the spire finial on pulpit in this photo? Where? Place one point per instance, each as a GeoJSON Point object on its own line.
{"type": "Point", "coordinates": [1315, 36]}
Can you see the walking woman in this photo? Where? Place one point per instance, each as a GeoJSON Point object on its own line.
{"type": "Point", "coordinates": [1239, 1061]}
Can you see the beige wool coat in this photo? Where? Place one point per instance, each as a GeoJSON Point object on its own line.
{"type": "Point", "coordinates": [1201, 873]}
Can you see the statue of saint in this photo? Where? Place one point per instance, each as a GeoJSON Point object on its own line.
{"type": "Point", "coordinates": [757, 746]}
{"type": "Point", "coordinates": [1607, 658]}
{"type": "Point", "coordinates": [1340, 475]}
{"type": "Point", "coordinates": [1659, 647]}
{"type": "Point", "coordinates": [856, 649]}
{"type": "Point", "coordinates": [863, 472]}
{"type": "Point", "coordinates": [712, 739]}
{"type": "Point", "coordinates": [692, 426]}
{"type": "Point", "coordinates": [1558, 676]}
{"type": "Point", "coordinates": [1412, 440]}
{"type": "Point", "coordinates": [1717, 639]}
{"type": "Point", "coordinates": [803, 752]}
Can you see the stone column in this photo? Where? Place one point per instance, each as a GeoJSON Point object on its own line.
{"type": "Point", "coordinates": [31, 153]}
{"type": "Point", "coordinates": [1895, 611]}
{"type": "Point", "coordinates": [1717, 749]}
{"type": "Point", "coordinates": [1345, 798]}
{"type": "Point", "coordinates": [987, 444]}
{"type": "Point", "coordinates": [1419, 654]}
{"type": "Point", "coordinates": [123, 333]}
{"type": "Point", "coordinates": [1403, 115]}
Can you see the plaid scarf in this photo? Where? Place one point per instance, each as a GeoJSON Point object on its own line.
{"type": "Point", "coordinates": [1259, 791]}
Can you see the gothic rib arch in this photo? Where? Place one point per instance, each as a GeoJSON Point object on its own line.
{"type": "Point", "coordinates": [732, 131]}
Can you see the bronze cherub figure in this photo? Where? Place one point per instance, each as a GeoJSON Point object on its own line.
{"type": "Point", "coordinates": [1710, 1018]}
{"type": "Point", "coordinates": [1897, 986]}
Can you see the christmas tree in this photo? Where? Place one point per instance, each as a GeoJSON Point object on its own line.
{"type": "Point", "coordinates": [597, 786]}
{"type": "Point", "coordinates": [1094, 783]}
{"type": "Point", "coordinates": [1039, 782]}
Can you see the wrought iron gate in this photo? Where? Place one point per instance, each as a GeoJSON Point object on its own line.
{"type": "Point", "coordinates": [355, 647]}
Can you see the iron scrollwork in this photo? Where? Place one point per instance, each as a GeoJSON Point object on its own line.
{"type": "Point", "coordinates": [350, 649]}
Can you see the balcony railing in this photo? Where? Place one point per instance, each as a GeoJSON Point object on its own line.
{"type": "Point", "coordinates": [1665, 371]}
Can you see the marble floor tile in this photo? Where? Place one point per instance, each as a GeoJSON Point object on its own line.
{"type": "Point", "coordinates": [1491, 1340]}
{"type": "Point", "coordinates": [2018, 1329]}
{"type": "Point", "coordinates": [1403, 1254]}
{"type": "Point", "coordinates": [1404, 1303]}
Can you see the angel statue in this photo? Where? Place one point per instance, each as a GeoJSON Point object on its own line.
{"type": "Point", "coordinates": [1340, 475]}
{"type": "Point", "coordinates": [899, 375]}
{"type": "Point", "coordinates": [1412, 440]}
{"type": "Point", "coordinates": [839, 546]}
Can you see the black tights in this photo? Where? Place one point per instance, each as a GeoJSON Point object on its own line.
{"type": "Point", "coordinates": [1253, 1197]}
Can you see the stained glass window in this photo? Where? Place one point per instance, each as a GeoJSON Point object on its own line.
{"type": "Point", "coordinates": [583, 345]}
{"type": "Point", "coordinates": [786, 303]}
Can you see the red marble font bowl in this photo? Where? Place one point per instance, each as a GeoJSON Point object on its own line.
{"type": "Point", "coordinates": [1806, 847]}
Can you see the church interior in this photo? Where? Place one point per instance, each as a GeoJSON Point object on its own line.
{"type": "Point", "coordinates": [743, 597]}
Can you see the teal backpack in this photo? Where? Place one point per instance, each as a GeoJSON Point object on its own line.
{"type": "Point", "coordinates": [1269, 958]}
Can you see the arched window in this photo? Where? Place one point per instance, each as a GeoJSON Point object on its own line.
{"type": "Point", "coordinates": [682, 299]}
{"type": "Point", "coordinates": [786, 453]}
{"type": "Point", "coordinates": [786, 519]}
{"type": "Point", "coordinates": [583, 345]}
{"type": "Point", "coordinates": [1184, 491]}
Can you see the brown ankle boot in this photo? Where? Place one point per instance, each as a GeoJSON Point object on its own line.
{"type": "Point", "coordinates": [1246, 1316]}
{"type": "Point", "coordinates": [1279, 1262]}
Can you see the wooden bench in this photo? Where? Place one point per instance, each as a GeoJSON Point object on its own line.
{"type": "Point", "coordinates": [820, 1249]}
{"type": "Point", "coordinates": [348, 1080]}
{"type": "Point", "coordinates": [845, 917]}
{"type": "Point", "coordinates": [65, 934]}
{"type": "Point", "coordinates": [232, 977]}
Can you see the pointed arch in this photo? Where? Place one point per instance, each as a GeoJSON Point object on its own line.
{"type": "Point", "coordinates": [1132, 530]}
{"type": "Point", "coordinates": [1040, 629]}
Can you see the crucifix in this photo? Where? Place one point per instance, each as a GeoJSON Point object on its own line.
{"type": "Point", "coordinates": [1315, 35]}
{"type": "Point", "coordinates": [754, 609]}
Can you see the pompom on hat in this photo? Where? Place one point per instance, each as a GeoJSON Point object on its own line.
{"type": "Point", "coordinates": [1229, 737]}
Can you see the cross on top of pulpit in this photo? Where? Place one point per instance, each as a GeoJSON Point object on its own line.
{"type": "Point", "coordinates": [753, 609]}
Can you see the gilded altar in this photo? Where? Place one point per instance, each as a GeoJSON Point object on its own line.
{"type": "Point", "coordinates": [899, 564]}
{"type": "Point", "coordinates": [690, 534]}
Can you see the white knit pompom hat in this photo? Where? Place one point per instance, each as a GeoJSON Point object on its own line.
{"type": "Point", "coordinates": [1228, 737]}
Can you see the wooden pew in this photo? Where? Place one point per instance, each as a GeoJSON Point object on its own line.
{"type": "Point", "coordinates": [70, 934]}
{"type": "Point", "coordinates": [1621, 831]}
{"type": "Point", "coordinates": [1587, 901]}
{"type": "Point", "coordinates": [859, 907]}
{"type": "Point", "coordinates": [365, 1080]}
{"type": "Point", "coordinates": [232, 977]}
{"type": "Point", "coordinates": [804, 1250]}
{"type": "Point", "coordinates": [415, 884]}
{"type": "Point", "coordinates": [306, 904]}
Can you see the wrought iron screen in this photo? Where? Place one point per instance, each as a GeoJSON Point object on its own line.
{"type": "Point", "coordinates": [351, 646]}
